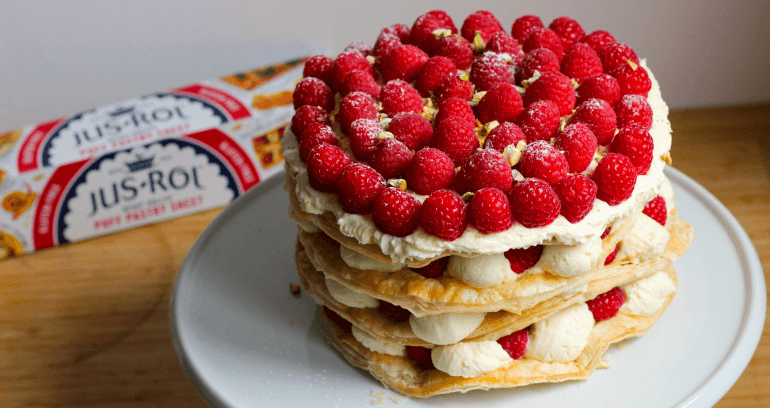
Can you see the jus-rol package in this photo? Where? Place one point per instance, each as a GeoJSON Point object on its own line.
{"type": "Point", "coordinates": [144, 160]}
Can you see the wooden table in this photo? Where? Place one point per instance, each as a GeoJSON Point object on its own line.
{"type": "Point", "coordinates": [86, 325]}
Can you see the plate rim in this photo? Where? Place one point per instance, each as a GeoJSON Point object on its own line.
{"type": "Point", "coordinates": [734, 362]}
{"type": "Point", "coordinates": [210, 394]}
{"type": "Point", "coordinates": [708, 393]}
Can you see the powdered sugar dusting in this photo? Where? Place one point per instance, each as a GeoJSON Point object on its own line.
{"type": "Point", "coordinates": [420, 246]}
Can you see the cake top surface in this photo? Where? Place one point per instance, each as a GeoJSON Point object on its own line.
{"type": "Point", "coordinates": [474, 141]}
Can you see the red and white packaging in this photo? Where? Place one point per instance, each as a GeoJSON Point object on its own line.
{"type": "Point", "coordinates": [143, 160]}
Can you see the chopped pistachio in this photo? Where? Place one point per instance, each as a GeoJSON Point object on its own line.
{"type": "Point", "coordinates": [512, 155]}
{"type": "Point", "coordinates": [441, 33]}
{"type": "Point", "coordinates": [385, 135]}
{"type": "Point", "coordinates": [477, 97]}
{"type": "Point", "coordinates": [398, 183]}
{"type": "Point", "coordinates": [489, 126]}
{"type": "Point", "coordinates": [478, 43]}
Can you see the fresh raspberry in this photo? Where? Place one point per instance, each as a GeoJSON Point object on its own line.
{"type": "Point", "coordinates": [391, 158]}
{"type": "Point", "coordinates": [580, 62]}
{"type": "Point", "coordinates": [443, 19]}
{"type": "Point", "coordinates": [598, 39]}
{"type": "Point", "coordinates": [607, 304]}
{"type": "Point", "coordinates": [307, 115]}
{"type": "Point", "coordinates": [430, 170]}
{"type": "Point", "coordinates": [524, 25]}
{"type": "Point", "coordinates": [633, 110]}
{"type": "Point", "coordinates": [404, 62]}
{"type": "Point", "coordinates": [359, 46]}
{"type": "Point", "coordinates": [517, 57]}
{"type": "Point", "coordinates": [486, 168]}
{"type": "Point", "coordinates": [489, 70]}
{"type": "Point", "coordinates": [501, 103]}
{"type": "Point", "coordinates": [482, 22]}
{"type": "Point", "coordinates": [606, 232]}
{"type": "Point", "coordinates": [633, 79]}
{"type": "Point", "coordinates": [539, 120]}
{"type": "Point", "coordinates": [338, 320]}
{"type": "Point", "coordinates": [600, 86]}
{"type": "Point", "coordinates": [578, 143]}
{"type": "Point", "coordinates": [576, 195]}
{"type": "Point", "coordinates": [615, 178]}
{"type": "Point", "coordinates": [363, 137]}
{"type": "Point", "coordinates": [360, 81]}
{"type": "Point", "coordinates": [457, 138]}
{"type": "Point", "coordinates": [357, 187]}
{"type": "Point", "coordinates": [354, 106]}
{"type": "Point", "coordinates": [656, 209]}
{"type": "Point", "coordinates": [433, 74]}
{"type": "Point", "coordinates": [443, 215]}
{"type": "Point", "coordinates": [515, 344]}
{"type": "Point", "coordinates": [395, 313]}
{"type": "Point", "coordinates": [635, 143]}
{"type": "Point", "coordinates": [568, 30]}
{"type": "Point", "coordinates": [454, 87]}
{"type": "Point", "coordinates": [457, 49]}
{"type": "Point", "coordinates": [544, 38]}
{"type": "Point", "coordinates": [489, 211]}
{"type": "Point", "coordinates": [318, 66]}
{"type": "Point", "coordinates": [611, 257]}
{"type": "Point", "coordinates": [314, 135]}
{"type": "Point", "coordinates": [434, 269]}
{"type": "Point", "coordinates": [411, 129]}
{"type": "Point", "coordinates": [543, 161]}
{"type": "Point", "coordinates": [398, 96]}
{"type": "Point", "coordinates": [599, 116]}
{"type": "Point", "coordinates": [396, 212]}
{"type": "Point", "coordinates": [423, 28]}
{"type": "Point", "coordinates": [385, 43]}
{"type": "Point", "coordinates": [324, 164]}
{"type": "Point", "coordinates": [502, 43]}
{"type": "Point", "coordinates": [555, 87]}
{"type": "Point", "coordinates": [522, 259]}
{"type": "Point", "coordinates": [399, 30]}
{"type": "Point", "coordinates": [421, 357]}
{"type": "Point", "coordinates": [313, 91]}
{"type": "Point", "coordinates": [541, 60]}
{"type": "Point", "coordinates": [504, 135]}
{"type": "Point", "coordinates": [616, 54]}
{"type": "Point", "coordinates": [346, 62]}
{"type": "Point", "coordinates": [534, 203]}
{"type": "Point", "coordinates": [455, 107]}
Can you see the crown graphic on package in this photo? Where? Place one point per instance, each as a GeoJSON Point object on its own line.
{"type": "Point", "coordinates": [140, 164]}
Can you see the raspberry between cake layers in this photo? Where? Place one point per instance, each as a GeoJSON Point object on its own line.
{"type": "Point", "coordinates": [382, 340]}
{"type": "Point", "coordinates": [469, 181]}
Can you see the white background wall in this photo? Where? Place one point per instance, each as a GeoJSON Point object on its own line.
{"type": "Point", "coordinates": [58, 58]}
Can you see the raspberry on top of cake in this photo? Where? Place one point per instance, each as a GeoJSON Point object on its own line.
{"type": "Point", "coordinates": [482, 129]}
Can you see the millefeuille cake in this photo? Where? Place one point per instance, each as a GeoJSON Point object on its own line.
{"type": "Point", "coordinates": [479, 209]}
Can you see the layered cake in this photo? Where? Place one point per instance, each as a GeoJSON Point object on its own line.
{"type": "Point", "coordinates": [481, 208]}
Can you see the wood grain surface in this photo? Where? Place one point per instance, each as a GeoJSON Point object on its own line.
{"type": "Point", "coordinates": [87, 324]}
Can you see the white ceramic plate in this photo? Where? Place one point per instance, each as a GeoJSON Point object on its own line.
{"type": "Point", "coordinates": [244, 341]}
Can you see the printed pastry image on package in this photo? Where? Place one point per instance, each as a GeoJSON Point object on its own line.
{"type": "Point", "coordinates": [479, 209]}
{"type": "Point", "coordinates": [143, 160]}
